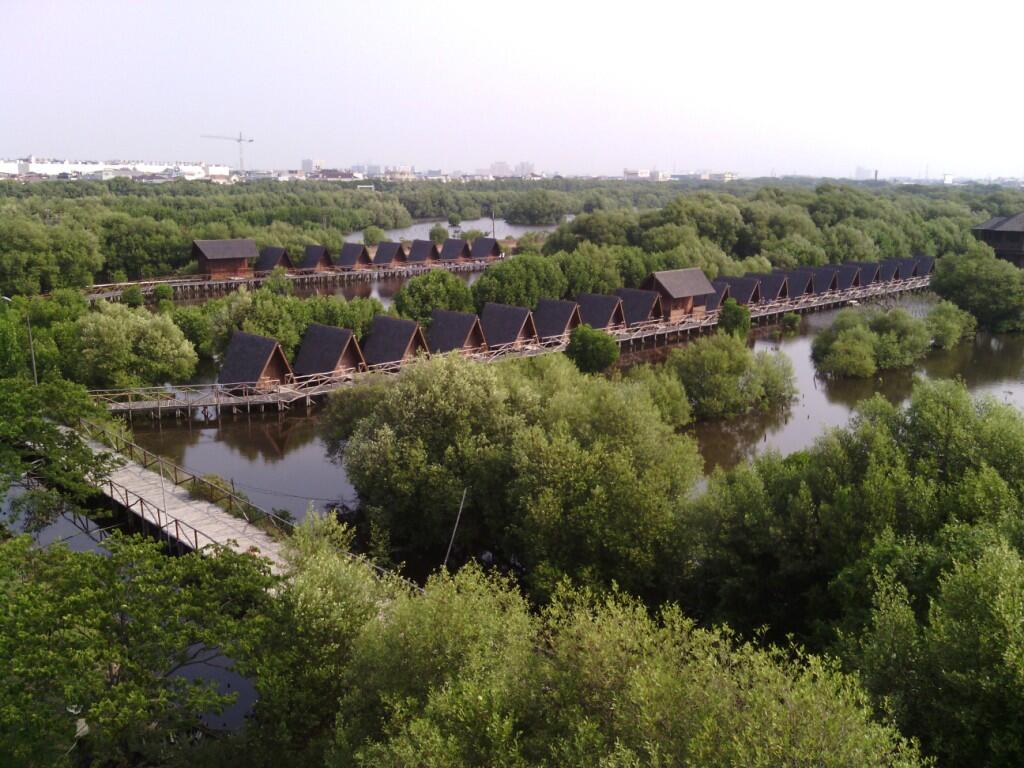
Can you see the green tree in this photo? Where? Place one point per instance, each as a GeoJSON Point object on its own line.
{"type": "Point", "coordinates": [438, 233]}
{"type": "Point", "coordinates": [989, 288]}
{"type": "Point", "coordinates": [437, 289]}
{"type": "Point", "coordinates": [522, 281]}
{"type": "Point", "coordinates": [592, 350]}
{"type": "Point", "coordinates": [373, 235]}
{"type": "Point", "coordinates": [163, 292]}
{"type": "Point", "coordinates": [734, 319]}
{"type": "Point", "coordinates": [132, 296]}
{"type": "Point", "coordinates": [949, 325]}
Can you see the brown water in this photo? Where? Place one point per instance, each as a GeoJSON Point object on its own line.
{"type": "Point", "coordinates": [383, 290]}
{"type": "Point", "coordinates": [280, 462]}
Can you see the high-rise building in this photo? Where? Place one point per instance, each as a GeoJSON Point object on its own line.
{"type": "Point", "coordinates": [500, 168]}
{"type": "Point", "coordinates": [307, 165]}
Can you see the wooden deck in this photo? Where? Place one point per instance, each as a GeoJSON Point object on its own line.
{"type": "Point", "coordinates": [210, 400]}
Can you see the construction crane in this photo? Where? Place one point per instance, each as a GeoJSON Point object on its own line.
{"type": "Point", "coordinates": [240, 140]}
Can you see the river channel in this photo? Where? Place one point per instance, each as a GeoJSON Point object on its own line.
{"type": "Point", "coordinates": [281, 462]}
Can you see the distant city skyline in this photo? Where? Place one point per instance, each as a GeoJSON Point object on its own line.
{"type": "Point", "coordinates": [785, 88]}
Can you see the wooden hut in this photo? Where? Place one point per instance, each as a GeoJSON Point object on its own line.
{"type": "Point", "coordinates": [225, 258]}
{"type": "Point", "coordinates": [455, 250]}
{"type": "Point", "coordinates": [389, 255]}
{"type": "Point", "coordinates": [640, 306]}
{"type": "Point", "coordinates": [328, 351]}
{"type": "Point", "coordinates": [907, 268]}
{"type": "Point", "coordinates": [601, 311]}
{"type": "Point", "coordinates": [273, 257]}
{"type": "Point", "coordinates": [1006, 236]}
{"type": "Point", "coordinates": [683, 291]}
{"type": "Point", "coordinates": [714, 301]}
{"type": "Point", "coordinates": [452, 331]}
{"type": "Point", "coordinates": [774, 285]}
{"type": "Point", "coordinates": [485, 249]}
{"type": "Point", "coordinates": [424, 252]}
{"type": "Point", "coordinates": [392, 341]}
{"type": "Point", "coordinates": [555, 318]}
{"type": "Point", "coordinates": [745, 290]}
{"type": "Point", "coordinates": [316, 259]}
{"type": "Point", "coordinates": [888, 270]}
{"type": "Point", "coordinates": [925, 265]}
{"type": "Point", "coordinates": [800, 282]}
{"type": "Point", "coordinates": [508, 326]}
{"type": "Point", "coordinates": [354, 256]}
{"type": "Point", "coordinates": [823, 279]}
{"type": "Point", "coordinates": [254, 361]}
{"type": "Point", "coordinates": [869, 271]}
{"type": "Point", "coordinates": [848, 277]}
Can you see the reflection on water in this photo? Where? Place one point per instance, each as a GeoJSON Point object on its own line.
{"type": "Point", "coordinates": [421, 229]}
{"type": "Point", "coordinates": [278, 461]}
{"type": "Point", "coordinates": [383, 290]}
{"type": "Point", "coordinates": [990, 364]}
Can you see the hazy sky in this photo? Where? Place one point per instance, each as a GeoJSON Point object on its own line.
{"type": "Point", "coordinates": [590, 87]}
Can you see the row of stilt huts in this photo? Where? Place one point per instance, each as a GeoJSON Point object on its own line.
{"type": "Point", "coordinates": [239, 258]}
{"type": "Point", "coordinates": [672, 297]}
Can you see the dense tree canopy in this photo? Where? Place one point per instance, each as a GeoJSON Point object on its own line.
{"type": "Point", "coordinates": [437, 289]}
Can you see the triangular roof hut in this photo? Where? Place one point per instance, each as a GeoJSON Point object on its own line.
{"type": "Point", "coordinates": [485, 248]}
{"type": "Point", "coordinates": [316, 258]}
{"type": "Point", "coordinates": [601, 311]}
{"type": "Point", "coordinates": [801, 282]}
{"type": "Point", "coordinates": [554, 318]}
{"type": "Point", "coordinates": [424, 251]}
{"type": "Point", "coordinates": [716, 299]}
{"type": "Point", "coordinates": [223, 258]}
{"type": "Point", "coordinates": [925, 265]}
{"type": "Point", "coordinates": [273, 257]}
{"type": "Point", "coordinates": [388, 254]}
{"type": "Point", "coordinates": [746, 290]}
{"type": "Point", "coordinates": [774, 285]}
{"type": "Point", "coordinates": [328, 350]}
{"type": "Point", "coordinates": [907, 268]}
{"type": "Point", "coordinates": [683, 291]}
{"type": "Point", "coordinates": [823, 279]}
{"type": "Point", "coordinates": [848, 276]}
{"type": "Point", "coordinates": [450, 331]}
{"type": "Point", "coordinates": [455, 249]}
{"type": "Point", "coordinates": [888, 270]}
{"type": "Point", "coordinates": [506, 325]}
{"type": "Point", "coordinates": [354, 256]}
{"type": "Point", "coordinates": [392, 341]}
{"type": "Point", "coordinates": [870, 271]}
{"type": "Point", "coordinates": [640, 306]}
{"type": "Point", "coordinates": [253, 360]}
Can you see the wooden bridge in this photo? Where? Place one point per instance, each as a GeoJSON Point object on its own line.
{"type": "Point", "coordinates": [210, 400]}
{"type": "Point", "coordinates": [202, 286]}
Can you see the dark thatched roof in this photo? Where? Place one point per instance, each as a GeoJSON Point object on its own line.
{"type": "Point", "coordinates": [485, 247]}
{"type": "Point", "coordinates": [823, 279]}
{"type": "Point", "coordinates": [450, 330]}
{"type": "Point", "coordinates": [390, 338]}
{"type": "Point", "coordinates": [353, 254]}
{"type": "Point", "coordinates": [888, 269]}
{"type": "Point", "coordinates": [715, 298]}
{"type": "Point", "coordinates": [1013, 223]}
{"type": "Point", "coordinates": [774, 285]}
{"type": "Point", "coordinates": [869, 271]}
{"type": "Point", "coordinates": [907, 268]}
{"type": "Point", "coordinates": [272, 257]}
{"type": "Point", "coordinates": [848, 276]}
{"type": "Point", "coordinates": [555, 317]}
{"type": "Point", "coordinates": [800, 282]}
{"type": "Point", "coordinates": [246, 357]}
{"type": "Point", "coordinates": [504, 324]}
{"type": "Point", "coordinates": [601, 311]}
{"type": "Point", "coordinates": [679, 283]}
{"type": "Point", "coordinates": [925, 265]}
{"type": "Point", "coordinates": [454, 250]}
{"type": "Point", "coordinates": [640, 306]}
{"type": "Point", "coordinates": [388, 253]}
{"type": "Point", "coordinates": [218, 250]}
{"type": "Point", "coordinates": [746, 290]}
{"type": "Point", "coordinates": [315, 255]}
{"type": "Point", "coordinates": [423, 250]}
{"type": "Point", "coordinates": [323, 347]}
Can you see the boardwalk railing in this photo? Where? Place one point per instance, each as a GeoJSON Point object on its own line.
{"type": "Point", "coordinates": [172, 526]}
{"type": "Point", "coordinates": [195, 484]}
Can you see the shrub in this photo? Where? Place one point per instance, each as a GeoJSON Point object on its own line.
{"type": "Point", "coordinates": [734, 318]}
{"type": "Point", "coordinates": [592, 350]}
{"type": "Point", "coordinates": [132, 296]}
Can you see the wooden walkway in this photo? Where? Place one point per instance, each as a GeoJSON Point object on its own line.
{"type": "Point", "coordinates": [211, 400]}
{"type": "Point", "coordinates": [162, 500]}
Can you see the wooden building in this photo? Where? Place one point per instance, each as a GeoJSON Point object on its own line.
{"type": "Point", "coordinates": [455, 250]}
{"type": "Point", "coordinates": [424, 252]}
{"type": "Point", "coordinates": [354, 256]}
{"type": "Point", "coordinates": [745, 290]}
{"type": "Point", "coordinates": [848, 276]}
{"type": "Point", "coordinates": [485, 249]}
{"type": "Point", "coordinates": [683, 291]}
{"type": "Point", "coordinates": [823, 279]}
{"type": "Point", "coordinates": [800, 282]}
{"type": "Point", "coordinates": [774, 286]}
{"type": "Point", "coordinates": [555, 318]}
{"type": "Point", "coordinates": [714, 301]}
{"type": "Point", "coordinates": [316, 259]}
{"type": "Point", "coordinates": [601, 311]}
{"type": "Point", "coordinates": [925, 265]}
{"type": "Point", "coordinates": [1006, 236]}
{"type": "Point", "coordinates": [640, 306]}
{"type": "Point", "coordinates": [508, 326]}
{"type": "Point", "coordinates": [452, 331]}
{"type": "Point", "coordinates": [328, 351]}
{"type": "Point", "coordinates": [225, 258]}
{"type": "Point", "coordinates": [389, 255]}
{"type": "Point", "coordinates": [888, 270]}
{"type": "Point", "coordinates": [253, 361]}
{"type": "Point", "coordinates": [273, 257]}
{"type": "Point", "coordinates": [907, 268]}
{"type": "Point", "coordinates": [393, 341]}
{"type": "Point", "coordinates": [870, 272]}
